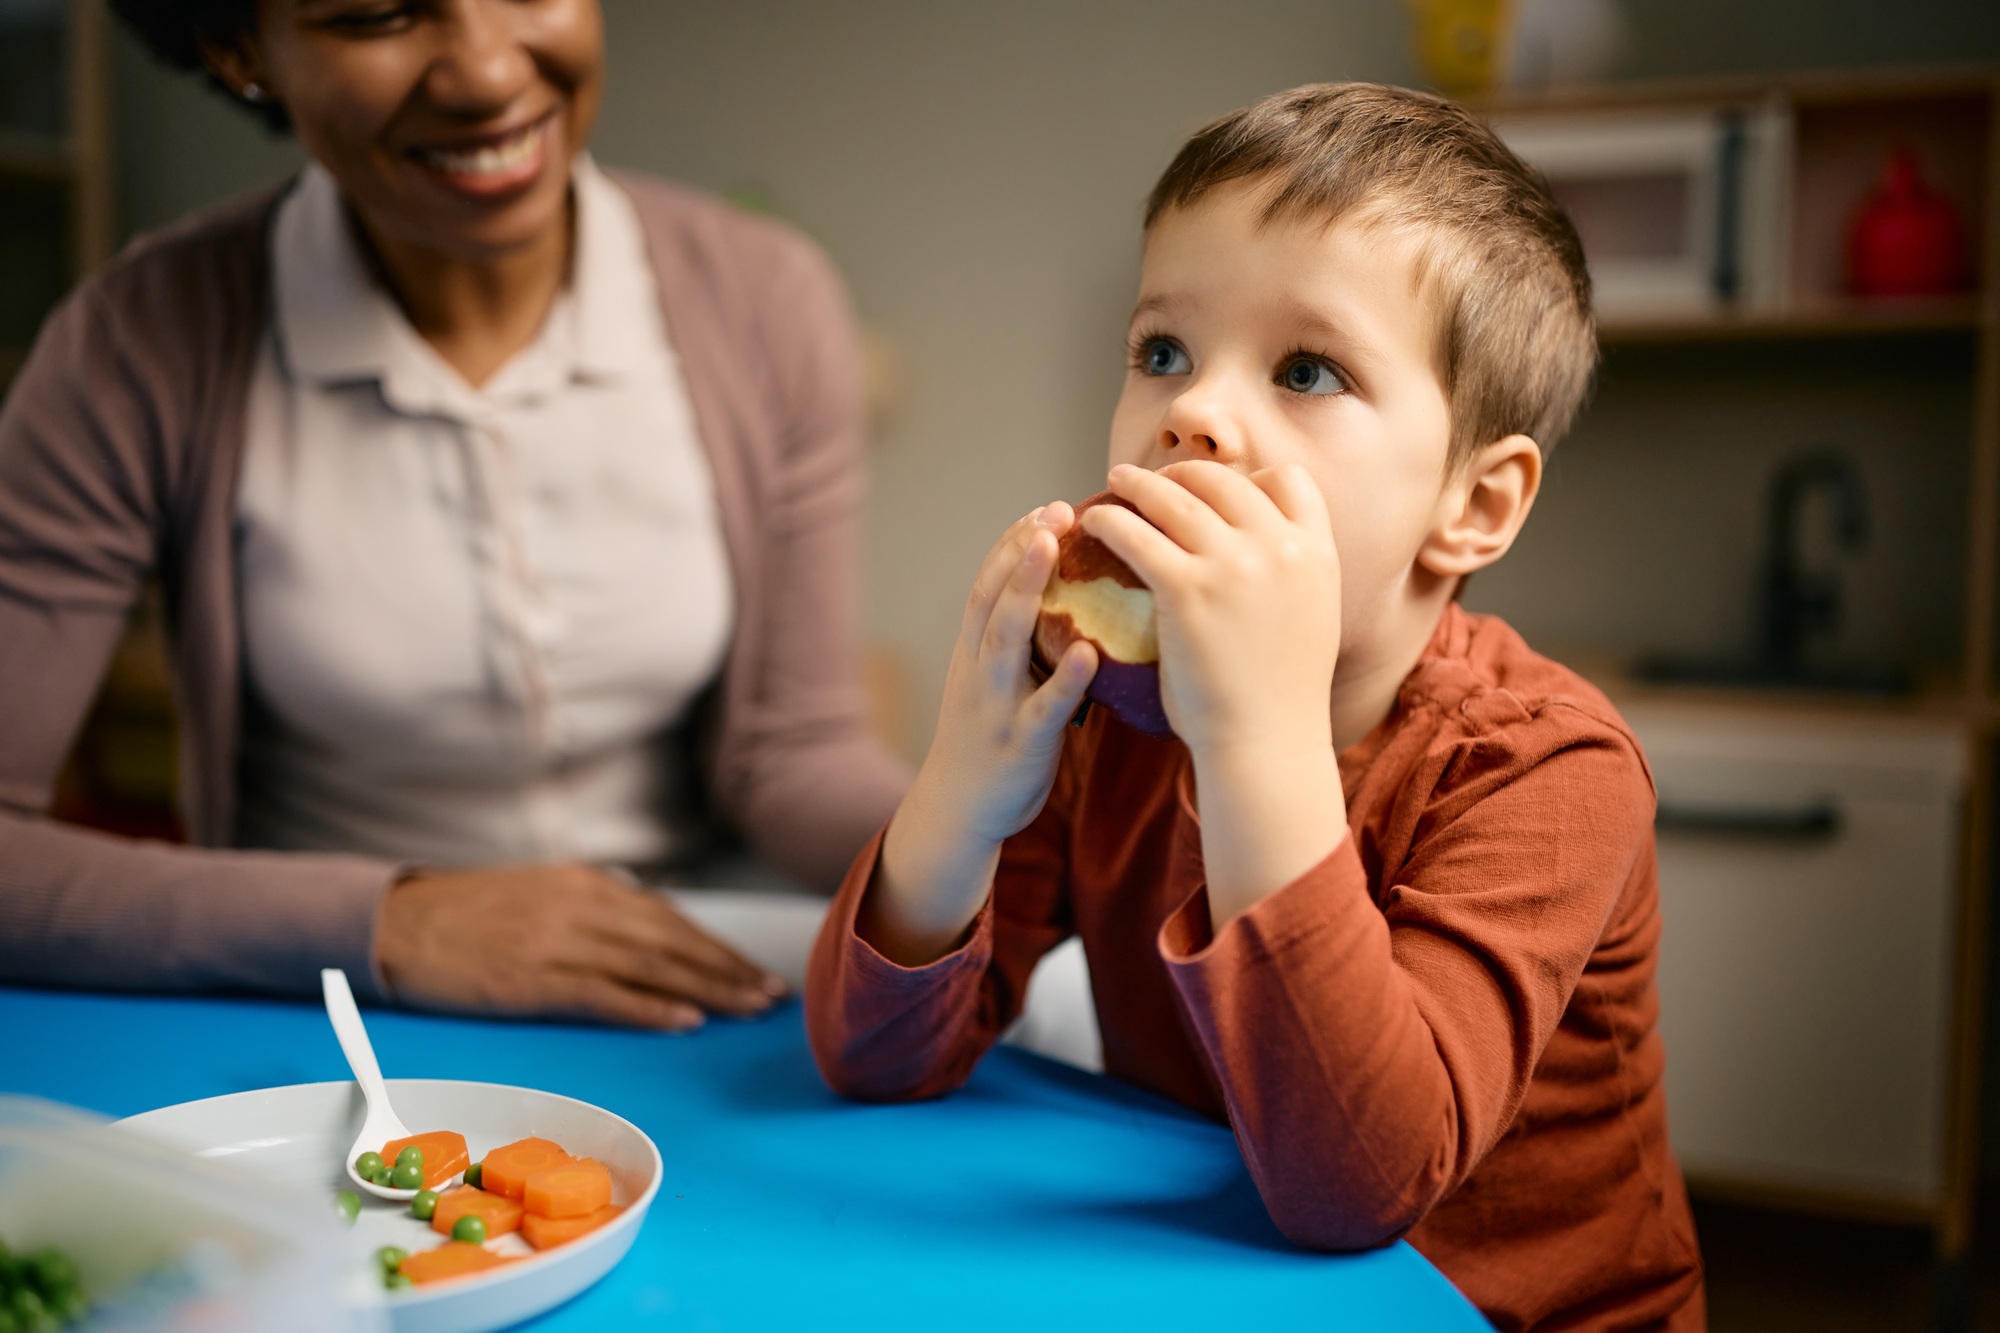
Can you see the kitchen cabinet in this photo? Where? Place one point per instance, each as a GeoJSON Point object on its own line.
{"type": "Point", "coordinates": [1809, 887]}
{"type": "Point", "coordinates": [1824, 848]}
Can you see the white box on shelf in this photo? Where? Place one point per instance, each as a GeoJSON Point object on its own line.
{"type": "Point", "coordinates": [1681, 212]}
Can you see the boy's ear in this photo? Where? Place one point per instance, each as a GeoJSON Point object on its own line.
{"type": "Point", "coordinates": [1482, 507]}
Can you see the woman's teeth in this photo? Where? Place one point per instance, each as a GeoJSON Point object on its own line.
{"type": "Point", "coordinates": [510, 154]}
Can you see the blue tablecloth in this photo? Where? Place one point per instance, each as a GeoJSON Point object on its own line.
{"type": "Point", "coordinates": [1036, 1198]}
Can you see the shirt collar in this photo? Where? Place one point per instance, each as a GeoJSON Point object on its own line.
{"type": "Point", "coordinates": [617, 302]}
{"type": "Point", "coordinates": [337, 325]}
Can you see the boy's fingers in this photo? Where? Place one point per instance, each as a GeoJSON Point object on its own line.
{"type": "Point", "coordinates": [1056, 700]}
{"type": "Point", "coordinates": [1295, 494]}
{"type": "Point", "coordinates": [994, 571]}
{"type": "Point", "coordinates": [1240, 501]}
{"type": "Point", "coordinates": [1154, 556]}
{"type": "Point", "coordinates": [1170, 507]}
{"type": "Point", "coordinates": [1004, 644]}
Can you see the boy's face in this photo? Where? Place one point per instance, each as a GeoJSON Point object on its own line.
{"type": "Point", "coordinates": [1257, 345]}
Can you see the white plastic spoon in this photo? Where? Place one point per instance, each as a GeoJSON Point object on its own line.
{"type": "Point", "coordinates": [381, 1124]}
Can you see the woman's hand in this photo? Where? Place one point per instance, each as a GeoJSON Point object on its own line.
{"type": "Point", "coordinates": [993, 759]}
{"type": "Point", "coordinates": [559, 941]}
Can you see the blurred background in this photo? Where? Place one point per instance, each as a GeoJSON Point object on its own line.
{"type": "Point", "coordinates": [1772, 536]}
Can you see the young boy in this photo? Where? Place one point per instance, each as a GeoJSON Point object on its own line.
{"type": "Point", "coordinates": [1387, 902]}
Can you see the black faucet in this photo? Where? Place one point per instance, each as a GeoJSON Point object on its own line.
{"type": "Point", "coordinates": [1801, 604]}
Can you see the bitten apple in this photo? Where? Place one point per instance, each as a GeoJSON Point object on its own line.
{"type": "Point", "coordinates": [1093, 595]}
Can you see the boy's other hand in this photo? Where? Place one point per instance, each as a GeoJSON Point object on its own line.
{"type": "Point", "coordinates": [1246, 581]}
{"type": "Point", "coordinates": [993, 759]}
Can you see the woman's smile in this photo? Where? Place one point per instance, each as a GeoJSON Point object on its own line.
{"type": "Point", "coordinates": [491, 165]}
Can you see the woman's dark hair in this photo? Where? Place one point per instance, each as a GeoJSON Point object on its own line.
{"type": "Point", "coordinates": [176, 30]}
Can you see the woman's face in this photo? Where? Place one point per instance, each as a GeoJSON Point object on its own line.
{"type": "Point", "coordinates": [449, 124]}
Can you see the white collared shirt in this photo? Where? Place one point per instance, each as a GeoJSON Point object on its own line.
{"type": "Point", "coordinates": [472, 618]}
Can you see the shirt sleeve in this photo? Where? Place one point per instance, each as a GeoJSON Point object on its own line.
{"type": "Point", "coordinates": [883, 1032]}
{"type": "Point", "coordinates": [809, 779]}
{"type": "Point", "coordinates": [82, 505]}
{"type": "Point", "coordinates": [1372, 1050]}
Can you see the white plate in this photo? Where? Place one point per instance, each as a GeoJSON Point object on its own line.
{"type": "Point", "coordinates": [300, 1134]}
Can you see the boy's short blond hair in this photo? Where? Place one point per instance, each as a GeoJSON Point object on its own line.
{"type": "Point", "coordinates": [1500, 261]}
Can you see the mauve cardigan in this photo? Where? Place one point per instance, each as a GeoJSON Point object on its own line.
{"type": "Point", "coordinates": [120, 444]}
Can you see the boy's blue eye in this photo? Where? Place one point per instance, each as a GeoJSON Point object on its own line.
{"type": "Point", "coordinates": [1163, 356]}
{"type": "Point", "coordinates": [1309, 375]}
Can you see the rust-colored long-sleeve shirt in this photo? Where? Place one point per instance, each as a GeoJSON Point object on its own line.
{"type": "Point", "coordinates": [1444, 1031]}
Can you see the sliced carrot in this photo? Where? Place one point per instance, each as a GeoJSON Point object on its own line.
{"type": "Point", "coordinates": [545, 1233]}
{"type": "Point", "coordinates": [445, 1154]}
{"type": "Point", "coordinates": [506, 1170]}
{"type": "Point", "coordinates": [501, 1215]}
{"type": "Point", "coordinates": [572, 1189]}
{"type": "Point", "coordinates": [454, 1258]}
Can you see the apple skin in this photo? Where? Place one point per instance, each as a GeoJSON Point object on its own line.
{"type": "Point", "coordinates": [1094, 596]}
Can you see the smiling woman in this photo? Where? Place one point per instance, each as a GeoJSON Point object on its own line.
{"type": "Point", "coordinates": [505, 508]}
{"type": "Point", "coordinates": [451, 128]}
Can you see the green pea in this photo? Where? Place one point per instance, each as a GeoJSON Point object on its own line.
{"type": "Point", "coordinates": [383, 1173]}
{"type": "Point", "coordinates": [391, 1257]}
{"type": "Point", "coordinates": [424, 1206]}
{"type": "Point", "coordinates": [410, 1157]}
{"type": "Point", "coordinates": [469, 1228]}
{"type": "Point", "coordinates": [51, 1273]}
{"type": "Point", "coordinates": [30, 1314]}
{"type": "Point", "coordinates": [367, 1164]}
{"type": "Point", "coordinates": [397, 1282]}
{"type": "Point", "coordinates": [49, 1268]}
{"type": "Point", "coordinates": [473, 1175]}
{"type": "Point", "coordinates": [347, 1204]}
{"type": "Point", "coordinates": [407, 1176]}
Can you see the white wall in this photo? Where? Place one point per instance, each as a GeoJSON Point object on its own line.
{"type": "Point", "coordinates": [977, 170]}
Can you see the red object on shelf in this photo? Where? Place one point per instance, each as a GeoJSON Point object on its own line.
{"type": "Point", "coordinates": [1907, 239]}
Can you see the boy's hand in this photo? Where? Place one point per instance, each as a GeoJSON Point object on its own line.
{"type": "Point", "coordinates": [992, 761]}
{"type": "Point", "coordinates": [1246, 581]}
{"type": "Point", "coordinates": [1247, 584]}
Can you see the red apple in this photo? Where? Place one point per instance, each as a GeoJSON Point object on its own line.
{"type": "Point", "coordinates": [1093, 595]}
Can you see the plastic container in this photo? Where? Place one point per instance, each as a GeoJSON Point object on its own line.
{"type": "Point", "coordinates": [167, 1241]}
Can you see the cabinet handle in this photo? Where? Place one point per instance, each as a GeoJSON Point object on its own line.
{"type": "Point", "coordinates": [1806, 823]}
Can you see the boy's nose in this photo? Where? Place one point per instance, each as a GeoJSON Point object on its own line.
{"type": "Point", "coordinates": [1200, 444]}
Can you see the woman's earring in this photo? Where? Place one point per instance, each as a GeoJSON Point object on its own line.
{"type": "Point", "coordinates": [253, 92]}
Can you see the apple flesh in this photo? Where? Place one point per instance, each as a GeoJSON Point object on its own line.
{"type": "Point", "coordinates": [1094, 596]}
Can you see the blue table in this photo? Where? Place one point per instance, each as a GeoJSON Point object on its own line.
{"type": "Point", "coordinates": [1037, 1198]}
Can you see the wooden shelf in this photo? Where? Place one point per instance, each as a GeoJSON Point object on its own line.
{"type": "Point", "coordinates": [1839, 319]}
{"type": "Point", "coordinates": [38, 157]}
{"type": "Point", "coordinates": [1812, 88]}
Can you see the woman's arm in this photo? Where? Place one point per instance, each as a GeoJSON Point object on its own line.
{"type": "Point", "coordinates": [101, 483]}
{"type": "Point", "coordinates": [84, 484]}
{"type": "Point", "coordinates": [799, 769]}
